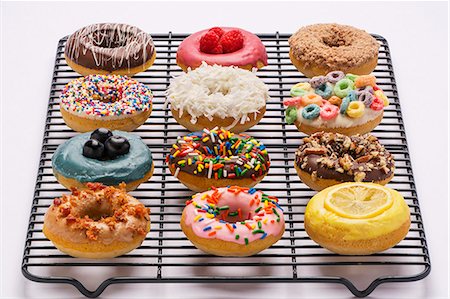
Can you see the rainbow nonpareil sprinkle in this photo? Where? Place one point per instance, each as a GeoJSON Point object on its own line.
{"type": "Point", "coordinates": [105, 95]}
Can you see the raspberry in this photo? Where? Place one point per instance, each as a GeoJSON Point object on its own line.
{"type": "Point", "coordinates": [232, 41]}
{"type": "Point", "coordinates": [217, 30]}
{"type": "Point", "coordinates": [209, 43]}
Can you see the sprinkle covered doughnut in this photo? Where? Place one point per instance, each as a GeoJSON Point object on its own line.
{"type": "Point", "coordinates": [321, 48]}
{"type": "Point", "coordinates": [210, 96]}
{"type": "Point", "coordinates": [218, 158]}
{"type": "Point", "coordinates": [105, 157]}
{"type": "Point", "coordinates": [224, 46]}
{"type": "Point", "coordinates": [99, 222]}
{"type": "Point", "coordinates": [105, 101]}
{"type": "Point", "coordinates": [341, 103]}
{"type": "Point", "coordinates": [110, 49]}
{"type": "Point", "coordinates": [326, 159]}
{"type": "Point", "coordinates": [232, 221]}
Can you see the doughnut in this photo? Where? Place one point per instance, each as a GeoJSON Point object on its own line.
{"type": "Point", "coordinates": [210, 96]}
{"type": "Point", "coordinates": [224, 46]}
{"type": "Point", "coordinates": [109, 48]}
{"type": "Point", "coordinates": [105, 157]}
{"type": "Point", "coordinates": [357, 218]}
{"type": "Point", "coordinates": [321, 48]}
{"type": "Point", "coordinates": [218, 158]}
{"type": "Point", "coordinates": [342, 103]}
{"type": "Point", "coordinates": [232, 221]}
{"type": "Point", "coordinates": [97, 223]}
{"type": "Point", "coordinates": [109, 101]}
{"type": "Point", "coordinates": [326, 159]}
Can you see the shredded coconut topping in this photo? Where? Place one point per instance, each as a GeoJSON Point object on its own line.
{"type": "Point", "coordinates": [218, 91]}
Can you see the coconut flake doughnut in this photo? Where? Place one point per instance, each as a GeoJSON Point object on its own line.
{"type": "Point", "coordinates": [224, 46]}
{"type": "Point", "coordinates": [326, 159]}
{"type": "Point", "coordinates": [105, 101]}
{"type": "Point", "coordinates": [232, 221]}
{"type": "Point", "coordinates": [321, 48]}
{"type": "Point", "coordinates": [110, 49]}
{"type": "Point", "coordinates": [218, 158]}
{"type": "Point", "coordinates": [210, 96]}
{"type": "Point", "coordinates": [97, 223]}
{"type": "Point", "coordinates": [342, 103]}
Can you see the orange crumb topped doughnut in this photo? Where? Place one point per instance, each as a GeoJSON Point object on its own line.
{"type": "Point", "coordinates": [99, 222]}
{"type": "Point", "coordinates": [232, 221]}
{"type": "Point", "coordinates": [321, 48]}
{"type": "Point", "coordinates": [218, 158]}
{"type": "Point", "coordinates": [224, 46]}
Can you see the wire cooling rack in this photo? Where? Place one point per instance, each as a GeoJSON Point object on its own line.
{"type": "Point", "coordinates": [167, 256]}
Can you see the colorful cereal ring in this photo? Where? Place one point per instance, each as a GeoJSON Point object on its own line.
{"type": "Point", "coordinates": [365, 80]}
{"type": "Point", "coordinates": [312, 99]}
{"type": "Point", "coordinates": [325, 90]}
{"type": "Point", "coordinates": [329, 111]}
{"type": "Point", "coordinates": [335, 100]}
{"type": "Point", "coordinates": [344, 105]}
{"type": "Point", "coordinates": [317, 81]}
{"type": "Point", "coordinates": [379, 94]}
{"type": "Point", "coordinates": [334, 77]}
{"type": "Point", "coordinates": [343, 87]}
{"type": "Point", "coordinates": [301, 89]}
{"type": "Point", "coordinates": [366, 97]}
{"type": "Point", "coordinates": [291, 115]}
{"type": "Point", "coordinates": [352, 96]}
{"type": "Point", "coordinates": [355, 109]}
{"type": "Point", "coordinates": [297, 101]}
{"type": "Point", "coordinates": [377, 104]}
{"type": "Point", "coordinates": [351, 77]}
{"type": "Point", "coordinates": [311, 111]}
{"type": "Point", "coordinates": [365, 88]}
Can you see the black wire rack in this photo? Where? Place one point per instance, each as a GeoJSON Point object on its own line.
{"type": "Point", "coordinates": [166, 256]}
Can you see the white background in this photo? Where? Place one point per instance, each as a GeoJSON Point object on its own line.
{"type": "Point", "coordinates": [418, 36]}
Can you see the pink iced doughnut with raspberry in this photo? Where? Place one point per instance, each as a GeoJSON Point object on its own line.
{"type": "Point", "coordinates": [225, 46]}
{"type": "Point", "coordinates": [232, 221]}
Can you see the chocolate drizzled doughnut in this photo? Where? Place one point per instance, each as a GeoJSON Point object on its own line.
{"type": "Point", "coordinates": [109, 47]}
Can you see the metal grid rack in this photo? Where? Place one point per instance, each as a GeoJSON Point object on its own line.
{"type": "Point", "coordinates": [167, 256]}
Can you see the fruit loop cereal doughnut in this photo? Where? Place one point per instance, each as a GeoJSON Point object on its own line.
{"type": "Point", "coordinates": [105, 101]}
{"type": "Point", "coordinates": [232, 221]}
{"type": "Point", "coordinates": [337, 102]}
{"type": "Point", "coordinates": [218, 158]}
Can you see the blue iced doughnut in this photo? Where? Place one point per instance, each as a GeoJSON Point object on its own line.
{"type": "Point", "coordinates": [325, 90]}
{"type": "Point", "coordinates": [68, 161]}
{"type": "Point", "coordinates": [343, 87]}
{"type": "Point", "coordinates": [311, 111]}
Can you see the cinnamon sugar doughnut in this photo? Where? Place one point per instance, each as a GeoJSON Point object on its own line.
{"type": "Point", "coordinates": [321, 48]}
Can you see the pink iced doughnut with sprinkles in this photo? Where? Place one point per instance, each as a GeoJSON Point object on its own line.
{"type": "Point", "coordinates": [232, 221]}
{"type": "Point", "coordinates": [105, 101]}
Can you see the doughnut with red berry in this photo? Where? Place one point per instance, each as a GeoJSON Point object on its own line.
{"type": "Point", "coordinates": [224, 46]}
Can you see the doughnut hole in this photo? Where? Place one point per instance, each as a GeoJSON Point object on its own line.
{"type": "Point", "coordinates": [334, 41]}
{"type": "Point", "coordinates": [97, 212]}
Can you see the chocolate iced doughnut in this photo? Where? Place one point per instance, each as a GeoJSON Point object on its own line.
{"type": "Point", "coordinates": [218, 158]}
{"type": "Point", "coordinates": [110, 48]}
{"type": "Point", "coordinates": [326, 159]}
{"type": "Point", "coordinates": [321, 48]}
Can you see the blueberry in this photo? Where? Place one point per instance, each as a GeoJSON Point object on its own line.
{"type": "Point", "coordinates": [116, 146]}
{"type": "Point", "coordinates": [101, 134]}
{"type": "Point", "coordinates": [93, 149]}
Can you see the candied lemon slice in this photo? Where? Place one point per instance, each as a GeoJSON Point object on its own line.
{"type": "Point", "coordinates": [358, 201]}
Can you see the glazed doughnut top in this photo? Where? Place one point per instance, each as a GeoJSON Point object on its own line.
{"type": "Point", "coordinates": [333, 46]}
{"type": "Point", "coordinates": [219, 154]}
{"type": "Point", "coordinates": [109, 46]}
{"type": "Point", "coordinates": [234, 214]}
{"type": "Point", "coordinates": [99, 213]}
{"type": "Point", "coordinates": [359, 158]}
{"type": "Point", "coordinates": [69, 161]}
